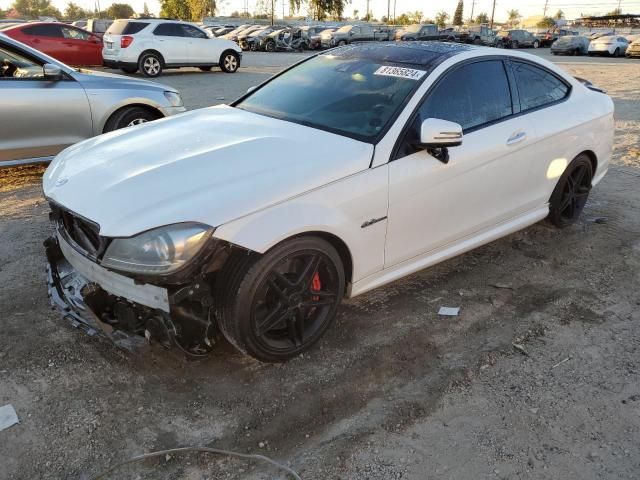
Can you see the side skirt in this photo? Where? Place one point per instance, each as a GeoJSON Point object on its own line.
{"type": "Point", "coordinates": [24, 161]}
{"type": "Point", "coordinates": [449, 251]}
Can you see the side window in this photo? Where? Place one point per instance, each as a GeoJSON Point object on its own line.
{"type": "Point", "coordinates": [463, 98]}
{"type": "Point", "coordinates": [168, 30]}
{"type": "Point", "coordinates": [74, 34]}
{"type": "Point", "coordinates": [14, 66]}
{"type": "Point", "coordinates": [536, 86]}
{"type": "Point", "coordinates": [44, 30]}
{"type": "Point", "coordinates": [473, 95]}
{"type": "Point", "coordinates": [355, 30]}
{"type": "Point", "coordinates": [191, 31]}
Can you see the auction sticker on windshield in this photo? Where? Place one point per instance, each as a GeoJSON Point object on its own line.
{"type": "Point", "coordinates": [400, 72]}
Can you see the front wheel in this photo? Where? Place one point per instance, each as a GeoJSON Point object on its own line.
{"type": "Point", "coordinates": [229, 62]}
{"type": "Point", "coordinates": [150, 64]}
{"type": "Point", "coordinates": [270, 47]}
{"type": "Point", "coordinates": [571, 193]}
{"type": "Point", "coordinates": [128, 117]}
{"type": "Point", "coordinates": [616, 52]}
{"type": "Point", "coordinates": [341, 43]}
{"type": "Point", "coordinates": [536, 44]}
{"type": "Point", "coordinates": [275, 306]}
{"type": "Point", "coordinates": [515, 44]}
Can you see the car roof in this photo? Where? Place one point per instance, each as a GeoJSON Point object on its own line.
{"type": "Point", "coordinates": [426, 54]}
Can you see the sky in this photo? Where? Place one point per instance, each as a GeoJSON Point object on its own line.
{"type": "Point", "coordinates": [571, 8]}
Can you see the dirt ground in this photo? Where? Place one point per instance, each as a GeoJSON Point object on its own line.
{"type": "Point", "coordinates": [392, 392]}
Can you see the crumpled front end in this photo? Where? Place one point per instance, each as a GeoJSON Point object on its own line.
{"type": "Point", "coordinates": [130, 312]}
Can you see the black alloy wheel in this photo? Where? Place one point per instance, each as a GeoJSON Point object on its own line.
{"type": "Point", "coordinates": [275, 306]}
{"type": "Point", "coordinates": [571, 193]}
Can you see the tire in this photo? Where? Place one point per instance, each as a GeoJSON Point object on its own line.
{"type": "Point", "coordinates": [206, 68]}
{"type": "Point", "coordinates": [128, 117]}
{"type": "Point", "coordinates": [150, 64]}
{"type": "Point", "coordinates": [129, 69]}
{"type": "Point", "coordinates": [342, 43]}
{"type": "Point", "coordinates": [576, 52]}
{"type": "Point", "coordinates": [229, 62]}
{"type": "Point", "coordinates": [277, 305]}
{"type": "Point", "coordinates": [536, 44]}
{"type": "Point", "coordinates": [499, 44]}
{"type": "Point", "coordinates": [590, 54]}
{"type": "Point", "coordinates": [515, 44]}
{"type": "Point", "coordinates": [616, 52]}
{"type": "Point", "coordinates": [571, 192]}
{"type": "Point", "coordinates": [270, 47]}
{"type": "Point", "coordinates": [477, 41]}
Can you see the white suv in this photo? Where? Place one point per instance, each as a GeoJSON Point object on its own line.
{"type": "Point", "coordinates": [150, 45]}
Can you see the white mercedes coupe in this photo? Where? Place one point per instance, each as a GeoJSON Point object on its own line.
{"type": "Point", "coordinates": [347, 171]}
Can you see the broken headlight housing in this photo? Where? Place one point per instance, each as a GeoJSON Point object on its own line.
{"type": "Point", "coordinates": [158, 251]}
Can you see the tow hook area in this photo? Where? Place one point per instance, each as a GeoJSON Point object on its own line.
{"type": "Point", "coordinates": [190, 325]}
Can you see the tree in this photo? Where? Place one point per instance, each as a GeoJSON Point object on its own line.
{"type": "Point", "coordinates": [457, 16]}
{"type": "Point", "coordinates": [384, 19]}
{"type": "Point", "coordinates": [355, 14]}
{"type": "Point", "coordinates": [415, 17]}
{"type": "Point", "coordinates": [120, 10]}
{"type": "Point", "coordinates": [615, 11]}
{"type": "Point", "coordinates": [75, 12]}
{"type": "Point", "coordinates": [323, 8]}
{"type": "Point", "coordinates": [513, 15]}
{"type": "Point", "coordinates": [482, 18]}
{"type": "Point", "coordinates": [559, 15]}
{"type": "Point", "coordinates": [441, 18]}
{"type": "Point", "coordinates": [145, 10]}
{"type": "Point", "coordinates": [403, 19]}
{"type": "Point", "coordinates": [546, 22]}
{"type": "Point", "coordinates": [201, 8]}
{"type": "Point", "coordinates": [175, 9]}
{"type": "Point", "coordinates": [36, 8]}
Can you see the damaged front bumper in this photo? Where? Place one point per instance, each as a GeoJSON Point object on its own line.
{"type": "Point", "coordinates": [131, 314]}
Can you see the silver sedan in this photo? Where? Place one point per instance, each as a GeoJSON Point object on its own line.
{"type": "Point", "coordinates": [47, 106]}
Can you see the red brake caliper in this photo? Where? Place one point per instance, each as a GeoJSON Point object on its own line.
{"type": "Point", "coordinates": [316, 285]}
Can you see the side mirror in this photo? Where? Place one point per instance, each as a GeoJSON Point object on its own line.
{"type": "Point", "coordinates": [437, 135]}
{"type": "Point", "coordinates": [251, 89]}
{"type": "Point", "coordinates": [51, 72]}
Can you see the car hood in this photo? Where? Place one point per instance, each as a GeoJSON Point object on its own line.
{"type": "Point", "coordinates": [96, 79]}
{"type": "Point", "coordinates": [211, 166]}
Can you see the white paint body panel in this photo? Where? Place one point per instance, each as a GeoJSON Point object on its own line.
{"type": "Point", "coordinates": [260, 181]}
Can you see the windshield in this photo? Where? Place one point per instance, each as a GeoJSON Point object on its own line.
{"type": "Point", "coordinates": [328, 30]}
{"type": "Point", "coordinates": [355, 97]}
{"type": "Point", "coordinates": [565, 40]}
{"type": "Point", "coordinates": [413, 28]}
{"type": "Point", "coordinates": [344, 29]}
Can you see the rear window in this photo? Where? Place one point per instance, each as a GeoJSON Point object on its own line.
{"type": "Point", "coordinates": [125, 27]}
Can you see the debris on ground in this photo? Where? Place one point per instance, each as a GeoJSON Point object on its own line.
{"type": "Point", "coordinates": [520, 348]}
{"type": "Point", "coordinates": [449, 311]}
{"type": "Point", "coordinates": [501, 285]}
{"type": "Point", "coordinates": [8, 417]}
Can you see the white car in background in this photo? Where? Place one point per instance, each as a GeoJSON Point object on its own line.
{"type": "Point", "coordinates": [612, 45]}
{"type": "Point", "coordinates": [350, 170]}
{"type": "Point", "coordinates": [151, 45]}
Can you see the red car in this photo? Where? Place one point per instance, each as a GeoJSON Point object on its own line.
{"type": "Point", "coordinates": [69, 44]}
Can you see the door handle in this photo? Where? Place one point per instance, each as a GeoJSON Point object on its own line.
{"type": "Point", "coordinates": [517, 137]}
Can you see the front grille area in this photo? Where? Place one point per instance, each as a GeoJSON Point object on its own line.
{"type": "Point", "coordinates": [85, 234]}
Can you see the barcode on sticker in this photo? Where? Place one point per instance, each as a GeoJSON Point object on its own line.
{"type": "Point", "coordinates": [400, 72]}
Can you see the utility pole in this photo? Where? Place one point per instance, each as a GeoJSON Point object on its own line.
{"type": "Point", "coordinates": [473, 4]}
{"type": "Point", "coordinates": [544, 13]}
{"type": "Point", "coordinates": [388, 11]}
{"type": "Point", "coordinates": [367, 10]}
{"type": "Point", "coordinates": [273, 7]}
{"type": "Point", "coordinates": [493, 10]}
{"type": "Point", "coordinates": [394, 12]}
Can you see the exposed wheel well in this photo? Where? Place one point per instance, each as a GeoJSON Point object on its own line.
{"type": "Point", "coordinates": [158, 114]}
{"type": "Point", "coordinates": [152, 51]}
{"type": "Point", "coordinates": [229, 50]}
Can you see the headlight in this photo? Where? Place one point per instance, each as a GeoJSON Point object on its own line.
{"type": "Point", "coordinates": [157, 251]}
{"type": "Point", "coordinates": [174, 98]}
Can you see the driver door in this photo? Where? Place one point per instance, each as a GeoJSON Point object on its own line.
{"type": "Point", "coordinates": [40, 117]}
{"type": "Point", "coordinates": [433, 204]}
{"type": "Point", "coordinates": [201, 48]}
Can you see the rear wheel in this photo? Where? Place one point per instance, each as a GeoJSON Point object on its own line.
{"type": "Point", "coordinates": [536, 44]}
{"type": "Point", "coordinates": [570, 195]}
{"type": "Point", "coordinates": [128, 117]}
{"type": "Point", "coordinates": [341, 43]}
{"type": "Point", "coordinates": [515, 44]}
{"type": "Point", "coordinates": [270, 47]}
{"type": "Point", "coordinates": [275, 306]}
{"type": "Point", "coordinates": [477, 41]}
{"type": "Point", "coordinates": [150, 64]}
{"type": "Point", "coordinates": [229, 62]}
